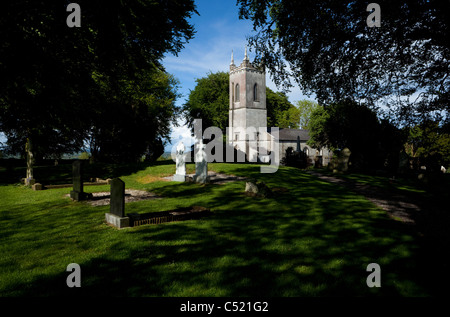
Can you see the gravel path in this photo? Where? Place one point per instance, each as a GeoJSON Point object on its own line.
{"type": "Point", "coordinates": [430, 216]}
{"type": "Point", "coordinates": [103, 198]}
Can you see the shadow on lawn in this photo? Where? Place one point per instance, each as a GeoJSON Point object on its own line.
{"type": "Point", "coordinates": [313, 247]}
{"type": "Point", "coordinates": [62, 173]}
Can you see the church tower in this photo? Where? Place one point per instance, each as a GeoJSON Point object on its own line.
{"type": "Point", "coordinates": [247, 113]}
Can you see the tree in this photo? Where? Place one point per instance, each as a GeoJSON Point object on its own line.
{"type": "Point", "coordinates": [280, 112]}
{"type": "Point", "coordinates": [327, 47]}
{"type": "Point", "coordinates": [209, 101]}
{"type": "Point", "coordinates": [430, 143]}
{"type": "Point", "coordinates": [54, 79]}
{"type": "Point", "coordinates": [137, 122]}
{"type": "Point", "coordinates": [305, 110]}
{"type": "Point", "coordinates": [373, 143]}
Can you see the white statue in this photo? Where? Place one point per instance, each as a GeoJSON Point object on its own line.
{"type": "Point", "coordinates": [180, 163]}
{"type": "Point", "coordinates": [201, 164]}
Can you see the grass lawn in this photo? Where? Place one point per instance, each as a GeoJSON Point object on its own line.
{"type": "Point", "coordinates": [316, 239]}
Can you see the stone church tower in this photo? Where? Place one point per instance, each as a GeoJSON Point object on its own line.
{"type": "Point", "coordinates": [247, 113]}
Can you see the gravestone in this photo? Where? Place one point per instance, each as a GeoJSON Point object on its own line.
{"type": "Point", "coordinates": [180, 174]}
{"type": "Point", "coordinates": [116, 215]}
{"type": "Point", "coordinates": [201, 164]}
{"type": "Point", "coordinates": [77, 179]}
{"type": "Point", "coordinates": [37, 186]}
{"type": "Point", "coordinates": [298, 144]}
{"type": "Point", "coordinates": [344, 158]}
{"type": "Point", "coordinates": [117, 204]}
{"type": "Point", "coordinates": [253, 188]}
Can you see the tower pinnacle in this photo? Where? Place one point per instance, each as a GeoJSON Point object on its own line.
{"type": "Point", "coordinates": [246, 56]}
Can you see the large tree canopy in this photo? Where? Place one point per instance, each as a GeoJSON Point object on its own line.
{"type": "Point", "coordinates": [60, 86]}
{"type": "Point", "coordinates": [209, 101]}
{"type": "Point", "coordinates": [373, 143]}
{"type": "Point", "coordinates": [328, 48]}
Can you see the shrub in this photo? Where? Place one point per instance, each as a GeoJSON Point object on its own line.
{"type": "Point", "coordinates": [295, 159]}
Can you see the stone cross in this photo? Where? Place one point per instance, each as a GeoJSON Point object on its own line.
{"type": "Point", "coordinates": [117, 203]}
{"type": "Point", "coordinates": [298, 143]}
{"type": "Point", "coordinates": [180, 174]}
{"type": "Point", "coordinates": [201, 164]}
{"type": "Point", "coordinates": [77, 179]}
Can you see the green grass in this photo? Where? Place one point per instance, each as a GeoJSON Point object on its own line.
{"type": "Point", "coordinates": [403, 183]}
{"type": "Point", "coordinates": [316, 239]}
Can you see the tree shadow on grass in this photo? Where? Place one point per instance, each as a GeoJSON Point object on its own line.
{"type": "Point", "coordinates": [62, 173]}
{"type": "Point", "coordinates": [240, 255]}
{"type": "Point", "coordinates": [316, 239]}
{"type": "Point", "coordinates": [317, 250]}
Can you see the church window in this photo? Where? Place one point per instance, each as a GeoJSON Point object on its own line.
{"type": "Point", "coordinates": [306, 150]}
{"type": "Point", "coordinates": [255, 92]}
{"type": "Point", "coordinates": [237, 92]}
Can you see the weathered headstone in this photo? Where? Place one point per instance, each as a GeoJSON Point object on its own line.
{"type": "Point", "coordinates": [116, 215]}
{"type": "Point", "coordinates": [77, 179]}
{"type": "Point", "coordinates": [37, 186]}
{"type": "Point", "coordinates": [201, 164]}
{"type": "Point", "coordinates": [180, 174]}
{"type": "Point", "coordinates": [253, 188]}
{"type": "Point", "coordinates": [29, 180]}
{"type": "Point", "coordinates": [344, 158]}
{"type": "Point", "coordinates": [117, 204]}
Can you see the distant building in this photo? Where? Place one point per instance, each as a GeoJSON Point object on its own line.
{"type": "Point", "coordinates": [248, 130]}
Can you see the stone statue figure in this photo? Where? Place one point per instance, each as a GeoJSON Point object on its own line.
{"type": "Point", "coordinates": [201, 164]}
{"type": "Point", "coordinates": [180, 173]}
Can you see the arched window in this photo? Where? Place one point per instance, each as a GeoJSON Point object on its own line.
{"type": "Point", "coordinates": [237, 92]}
{"type": "Point", "coordinates": [255, 92]}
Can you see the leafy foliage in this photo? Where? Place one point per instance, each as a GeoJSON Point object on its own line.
{"type": "Point", "coordinates": [327, 47]}
{"type": "Point", "coordinates": [373, 143]}
{"type": "Point", "coordinates": [295, 158]}
{"type": "Point", "coordinates": [430, 143]}
{"type": "Point", "coordinates": [62, 86]}
{"type": "Point", "coordinates": [280, 112]}
{"type": "Point", "coordinates": [304, 111]}
{"type": "Point", "coordinates": [209, 101]}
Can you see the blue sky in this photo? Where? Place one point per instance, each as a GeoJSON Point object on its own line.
{"type": "Point", "coordinates": [218, 32]}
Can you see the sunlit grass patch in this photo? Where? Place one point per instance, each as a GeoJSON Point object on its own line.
{"type": "Point", "coordinates": [313, 239]}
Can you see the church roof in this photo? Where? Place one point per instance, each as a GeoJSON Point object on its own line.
{"type": "Point", "coordinates": [292, 134]}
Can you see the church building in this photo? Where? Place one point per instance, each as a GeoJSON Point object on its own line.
{"type": "Point", "coordinates": [248, 131]}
